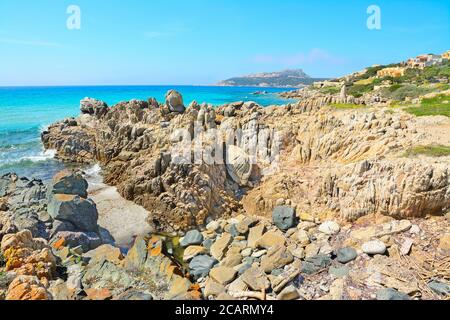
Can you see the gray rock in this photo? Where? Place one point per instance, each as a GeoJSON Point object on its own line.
{"type": "Point", "coordinates": [79, 211]}
{"type": "Point", "coordinates": [315, 264]}
{"type": "Point", "coordinates": [174, 101]}
{"type": "Point", "coordinates": [87, 240]}
{"type": "Point", "coordinates": [106, 275]}
{"type": "Point", "coordinates": [137, 255]}
{"type": "Point", "coordinates": [201, 265]}
{"type": "Point", "coordinates": [391, 294]}
{"type": "Point", "coordinates": [283, 217]}
{"type": "Point", "coordinates": [69, 183]}
{"type": "Point", "coordinates": [345, 255]}
{"type": "Point", "coordinates": [339, 272]}
{"type": "Point", "coordinates": [134, 295]}
{"type": "Point", "coordinates": [238, 165]}
{"type": "Point", "coordinates": [439, 287]}
{"type": "Point", "coordinates": [193, 237]}
{"type": "Point", "coordinates": [207, 244]}
{"type": "Point", "coordinates": [93, 107]}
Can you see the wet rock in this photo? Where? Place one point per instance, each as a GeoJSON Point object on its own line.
{"type": "Point", "coordinates": [284, 217]}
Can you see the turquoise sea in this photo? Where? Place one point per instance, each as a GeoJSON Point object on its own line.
{"type": "Point", "coordinates": [26, 111]}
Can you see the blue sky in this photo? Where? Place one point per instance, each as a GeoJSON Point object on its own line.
{"type": "Point", "coordinates": [204, 41]}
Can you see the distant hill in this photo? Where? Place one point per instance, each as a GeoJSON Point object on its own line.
{"type": "Point", "coordinates": [286, 78]}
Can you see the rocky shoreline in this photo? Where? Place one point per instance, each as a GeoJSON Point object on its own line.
{"type": "Point", "coordinates": [330, 208]}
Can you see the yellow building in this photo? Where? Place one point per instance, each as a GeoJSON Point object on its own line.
{"type": "Point", "coordinates": [394, 72]}
{"type": "Point", "coordinates": [446, 55]}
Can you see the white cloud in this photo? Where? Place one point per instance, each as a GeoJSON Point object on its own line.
{"type": "Point", "coordinates": [29, 42]}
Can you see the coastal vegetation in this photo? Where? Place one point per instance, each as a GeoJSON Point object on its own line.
{"type": "Point", "coordinates": [346, 106]}
{"type": "Point", "coordinates": [439, 105]}
{"type": "Point", "coordinates": [430, 150]}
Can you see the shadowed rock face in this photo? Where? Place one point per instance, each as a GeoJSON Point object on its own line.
{"type": "Point", "coordinates": [60, 211]}
{"type": "Point", "coordinates": [347, 161]}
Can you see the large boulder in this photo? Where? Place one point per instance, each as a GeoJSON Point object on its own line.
{"type": "Point", "coordinates": [67, 182]}
{"type": "Point", "coordinates": [93, 107]}
{"type": "Point", "coordinates": [81, 212]}
{"type": "Point", "coordinates": [238, 164]}
{"type": "Point", "coordinates": [86, 240]}
{"type": "Point", "coordinates": [284, 217]}
{"type": "Point", "coordinates": [174, 101]}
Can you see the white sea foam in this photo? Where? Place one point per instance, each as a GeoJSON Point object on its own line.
{"type": "Point", "coordinates": [43, 156]}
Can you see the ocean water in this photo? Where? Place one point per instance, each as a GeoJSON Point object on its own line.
{"type": "Point", "coordinates": [26, 111]}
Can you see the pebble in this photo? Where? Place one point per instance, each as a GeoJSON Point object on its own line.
{"type": "Point", "coordinates": [283, 217]}
{"type": "Point", "coordinates": [330, 228]}
{"type": "Point", "coordinates": [213, 226]}
{"type": "Point", "coordinates": [192, 237]}
{"type": "Point", "coordinates": [414, 229]}
{"type": "Point", "coordinates": [339, 272]}
{"type": "Point", "coordinates": [246, 252]}
{"type": "Point", "coordinates": [439, 287]}
{"type": "Point", "coordinates": [345, 255]}
{"type": "Point", "coordinates": [391, 294]}
{"type": "Point", "coordinates": [289, 293]}
{"type": "Point", "coordinates": [258, 254]}
{"type": "Point", "coordinates": [223, 275]}
{"type": "Point", "coordinates": [374, 247]}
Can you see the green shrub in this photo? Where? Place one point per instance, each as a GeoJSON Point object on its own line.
{"type": "Point", "coordinates": [330, 90]}
{"type": "Point", "coordinates": [431, 151]}
{"type": "Point", "coordinates": [347, 106]}
{"type": "Point", "coordinates": [439, 105]}
{"type": "Point", "coordinates": [357, 90]}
